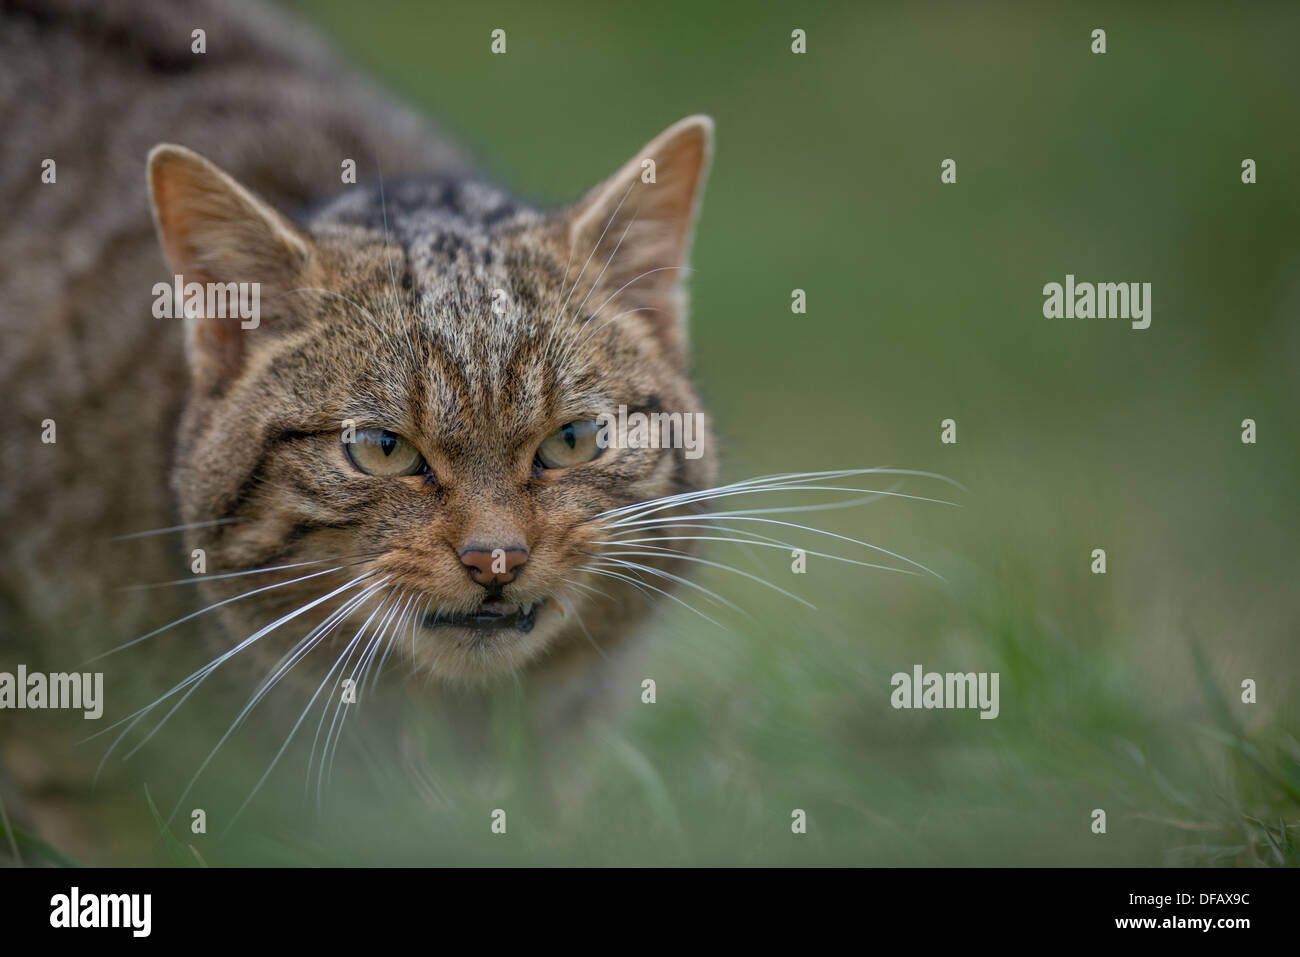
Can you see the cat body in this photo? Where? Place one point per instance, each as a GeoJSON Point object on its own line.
{"type": "Point", "coordinates": [418, 317]}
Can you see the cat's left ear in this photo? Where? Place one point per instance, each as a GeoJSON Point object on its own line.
{"type": "Point", "coordinates": [214, 231]}
{"type": "Point", "coordinates": [634, 231]}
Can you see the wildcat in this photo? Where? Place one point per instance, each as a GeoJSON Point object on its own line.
{"type": "Point", "coordinates": [400, 454]}
{"type": "Point", "coordinates": [397, 461]}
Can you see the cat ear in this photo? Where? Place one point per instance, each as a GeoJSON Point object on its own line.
{"type": "Point", "coordinates": [637, 227]}
{"type": "Point", "coordinates": [213, 231]}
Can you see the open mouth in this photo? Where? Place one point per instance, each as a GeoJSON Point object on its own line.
{"type": "Point", "coordinates": [495, 614]}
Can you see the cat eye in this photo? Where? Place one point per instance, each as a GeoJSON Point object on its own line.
{"type": "Point", "coordinates": [380, 452]}
{"type": "Point", "coordinates": [572, 444]}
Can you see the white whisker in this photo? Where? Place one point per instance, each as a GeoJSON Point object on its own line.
{"type": "Point", "coordinates": [254, 571]}
{"type": "Point", "coordinates": [627, 312]}
{"type": "Point", "coordinates": [648, 272]}
{"type": "Point", "coordinates": [215, 605]}
{"type": "Point", "coordinates": [578, 617]}
{"type": "Point", "coordinates": [640, 584]}
{"type": "Point", "coordinates": [405, 618]}
{"type": "Point", "coordinates": [198, 676]}
{"type": "Point", "coordinates": [704, 561]}
{"type": "Point", "coordinates": [398, 305]}
{"type": "Point", "coordinates": [289, 739]}
{"type": "Point", "coordinates": [747, 541]}
{"type": "Point", "coordinates": [173, 528]}
{"type": "Point", "coordinates": [766, 483]}
{"type": "Point", "coordinates": [286, 664]}
{"type": "Point", "coordinates": [558, 327]}
{"type": "Point", "coordinates": [739, 517]}
{"type": "Point", "coordinates": [569, 326]}
{"type": "Point", "coordinates": [783, 488]}
{"type": "Point", "coordinates": [669, 576]}
{"type": "Point", "coordinates": [339, 703]}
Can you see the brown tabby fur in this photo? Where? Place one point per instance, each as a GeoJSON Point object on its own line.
{"type": "Point", "coordinates": [377, 307]}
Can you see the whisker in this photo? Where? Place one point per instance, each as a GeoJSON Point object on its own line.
{"type": "Point", "coordinates": [736, 516]}
{"type": "Point", "coordinates": [383, 634]}
{"type": "Point", "coordinates": [627, 312]}
{"type": "Point", "coordinates": [404, 618]}
{"type": "Point", "coordinates": [200, 675]}
{"type": "Point", "coordinates": [590, 588]}
{"type": "Point", "coordinates": [599, 239]}
{"type": "Point", "coordinates": [392, 276]}
{"type": "Point", "coordinates": [339, 703]}
{"type": "Point", "coordinates": [253, 571]}
{"type": "Point", "coordinates": [640, 584]}
{"type": "Point", "coordinates": [787, 488]}
{"type": "Point", "coordinates": [289, 739]}
{"type": "Point", "coordinates": [768, 483]}
{"type": "Point", "coordinates": [668, 576]}
{"type": "Point", "coordinates": [572, 322]}
{"type": "Point", "coordinates": [648, 272]}
{"type": "Point", "coordinates": [617, 535]}
{"type": "Point", "coordinates": [747, 541]}
{"type": "Point", "coordinates": [704, 561]}
{"type": "Point", "coordinates": [558, 328]}
{"type": "Point", "coordinates": [215, 605]}
{"type": "Point", "coordinates": [392, 616]}
{"type": "Point", "coordinates": [826, 506]}
{"type": "Point", "coordinates": [325, 770]}
{"type": "Point", "coordinates": [158, 727]}
{"type": "Point", "coordinates": [318, 634]}
{"type": "Point", "coordinates": [283, 667]}
{"type": "Point", "coordinates": [423, 612]}
{"type": "Point", "coordinates": [367, 659]}
{"type": "Point", "coordinates": [173, 528]}
{"type": "Point", "coordinates": [596, 282]}
{"type": "Point", "coordinates": [578, 617]}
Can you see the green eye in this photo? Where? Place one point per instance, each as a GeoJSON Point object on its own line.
{"type": "Point", "coordinates": [380, 452]}
{"type": "Point", "coordinates": [573, 444]}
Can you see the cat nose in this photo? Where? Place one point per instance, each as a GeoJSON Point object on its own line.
{"type": "Point", "coordinates": [488, 565]}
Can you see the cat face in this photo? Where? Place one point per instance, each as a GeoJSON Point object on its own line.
{"type": "Point", "coordinates": [410, 429]}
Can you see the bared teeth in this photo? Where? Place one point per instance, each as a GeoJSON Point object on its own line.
{"type": "Point", "coordinates": [499, 606]}
{"type": "Point", "coordinates": [493, 613]}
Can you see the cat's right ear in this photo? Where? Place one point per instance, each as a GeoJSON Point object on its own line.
{"type": "Point", "coordinates": [214, 231]}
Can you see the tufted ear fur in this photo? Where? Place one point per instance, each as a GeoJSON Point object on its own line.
{"type": "Point", "coordinates": [214, 231]}
{"type": "Point", "coordinates": [637, 227]}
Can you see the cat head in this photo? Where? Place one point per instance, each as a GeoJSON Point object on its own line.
{"type": "Point", "coordinates": [420, 427]}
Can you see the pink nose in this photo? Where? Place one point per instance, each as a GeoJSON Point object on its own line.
{"type": "Point", "coordinates": [488, 565]}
